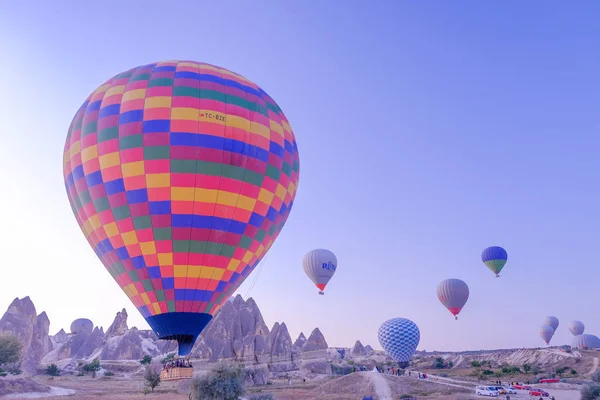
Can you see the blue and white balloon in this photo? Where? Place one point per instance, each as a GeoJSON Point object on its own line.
{"type": "Point", "coordinates": [399, 337]}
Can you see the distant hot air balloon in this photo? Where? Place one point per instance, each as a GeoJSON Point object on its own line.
{"type": "Point", "coordinates": [585, 341]}
{"type": "Point", "coordinates": [453, 293]}
{"type": "Point", "coordinates": [82, 325]}
{"type": "Point", "coordinates": [320, 265]}
{"type": "Point", "coordinates": [494, 258]}
{"type": "Point", "coordinates": [546, 333]}
{"type": "Point", "coordinates": [576, 328]}
{"type": "Point", "coordinates": [181, 176]}
{"type": "Point", "coordinates": [399, 337]}
{"type": "Point", "coordinates": [552, 321]}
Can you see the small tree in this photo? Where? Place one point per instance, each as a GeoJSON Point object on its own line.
{"type": "Point", "coordinates": [146, 360]}
{"type": "Point", "coordinates": [92, 367]}
{"type": "Point", "coordinates": [596, 376]}
{"type": "Point", "coordinates": [526, 368]}
{"type": "Point", "coordinates": [475, 364]}
{"type": "Point", "coordinates": [10, 350]}
{"type": "Point", "coordinates": [152, 377]}
{"type": "Point", "coordinates": [224, 383]}
{"type": "Point", "coordinates": [590, 392]}
{"type": "Point", "coordinates": [52, 370]}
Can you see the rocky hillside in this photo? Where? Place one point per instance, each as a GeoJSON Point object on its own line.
{"type": "Point", "coordinates": [239, 332]}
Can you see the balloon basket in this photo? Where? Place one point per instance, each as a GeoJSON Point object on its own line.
{"type": "Point", "coordinates": [456, 318]}
{"type": "Point", "coordinates": [321, 293]}
{"type": "Point", "coordinates": [176, 373]}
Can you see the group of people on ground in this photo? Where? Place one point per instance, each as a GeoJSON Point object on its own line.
{"type": "Point", "coordinates": [178, 363]}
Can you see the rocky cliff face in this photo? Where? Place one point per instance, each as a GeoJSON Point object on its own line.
{"type": "Point", "coordinates": [21, 320]}
{"type": "Point", "coordinates": [316, 341]}
{"type": "Point", "coordinates": [237, 332]}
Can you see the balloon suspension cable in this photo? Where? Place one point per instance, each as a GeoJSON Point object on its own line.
{"type": "Point", "coordinates": [253, 283]}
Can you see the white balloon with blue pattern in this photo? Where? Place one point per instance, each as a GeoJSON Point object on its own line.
{"type": "Point", "coordinates": [399, 337]}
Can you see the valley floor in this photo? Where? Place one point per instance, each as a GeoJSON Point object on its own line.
{"type": "Point", "coordinates": [349, 387]}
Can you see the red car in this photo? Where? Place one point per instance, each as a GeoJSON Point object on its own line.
{"type": "Point", "coordinates": [538, 392]}
{"type": "Point", "coordinates": [522, 387]}
{"type": "Point", "coordinates": [549, 380]}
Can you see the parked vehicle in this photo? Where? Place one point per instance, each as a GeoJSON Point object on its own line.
{"type": "Point", "coordinates": [486, 391]}
{"type": "Point", "coordinates": [522, 387]}
{"type": "Point", "coordinates": [510, 389]}
{"type": "Point", "coordinates": [538, 392]}
{"type": "Point", "coordinates": [549, 380]}
{"type": "Point", "coordinates": [500, 389]}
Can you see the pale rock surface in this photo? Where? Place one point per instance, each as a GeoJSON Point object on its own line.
{"type": "Point", "coordinates": [316, 341]}
{"type": "Point", "coordinates": [300, 342]}
{"type": "Point", "coordinates": [21, 320]}
{"type": "Point", "coordinates": [119, 325]}
{"type": "Point", "coordinates": [359, 350]}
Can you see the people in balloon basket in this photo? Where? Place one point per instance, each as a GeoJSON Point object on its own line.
{"type": "Point", "coordinates": [178, 363]}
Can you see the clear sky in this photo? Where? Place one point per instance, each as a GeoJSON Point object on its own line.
{"type": "Point", "coordinates": [427, 131]}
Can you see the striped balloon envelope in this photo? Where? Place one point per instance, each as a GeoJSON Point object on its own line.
{"type": "Point", "coordinates": [453, 294]}
{"type": "Point", "coordinates": [494, 258]}
{"type": "Point", "coordinates": [399, 337]}
{"type": "Point", "coordinates": [181, 176]}
{"type": "Point", "coordinates": [546, 333]}
{"type": "Point", "coordinates": [585, 341]}
{"type": "Point", "coordinates": [551, 321]}
{"type": "Point", "coordinates": [576, 328]}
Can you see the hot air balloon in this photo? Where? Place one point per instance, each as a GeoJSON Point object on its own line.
{"type": "Point", "coordinates": [82, 325]}
{"type": "Point", "coordinates": [453, 293]}
{"type": "Point", "coordinates": [399, 337]}
{"type": "Point", "coordinates": [494, 258]}
{"type": "Point", "coordinates": [319, 265]}
{"type": "Point", "coordinates": [552, 321]}
{"type": "Point", "coordinates": [546, 333]}
{"type": "Point", "coordinates": [585, 341]}
{"type": "Point", "coordinates": [576, 328]}
{"type": "Point", "coordinates": [181, 176]}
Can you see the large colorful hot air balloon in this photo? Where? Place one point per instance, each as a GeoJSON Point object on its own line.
{"type": "Point", "coordinates": [453, 293]}
{"type": "Point", "coordinates": [546, 333]}
{"type": "Point", "coordinates": [320, 265]}
{"type": "Point", "coordinates": [576, 328]}
{"type": "Point", "coordinates": [181, 176]}
{"type": "Point", "coordinates": [585, 341]}
{"type": "Point", "coordinates": [552, 321]}
{"type": "Point", "coordinates": [399, 337]}
{"type": "Point", "coordinates": [494, 258]}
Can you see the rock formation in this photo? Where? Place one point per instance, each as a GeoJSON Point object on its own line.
{"type": "Point", "coordinates": [316, 341]}
{"type": "Point", "coordinates": [299, 343]}
{"type": "Point", "coordinates": [119, 325]}
{"type": "Point", "coordinates": [359, 350]}
{"type": "Point", "coordinates": [238, 332]}
{"type": "Point", "coordinates": [21, 320]}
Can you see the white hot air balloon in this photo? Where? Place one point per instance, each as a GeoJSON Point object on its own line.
{"type": "Point", "coordinates": [551, 321]}
{"type": "Point", "coordinates": [320, 265]}
{"type": "Point", "coordinates": [586, 341]}
{"type": "Point", "coordinates": [546, 333]}
{"type": "Point", "coordinates": [576, 328]}
{"type": "Point", "coordinates": [453, 294]}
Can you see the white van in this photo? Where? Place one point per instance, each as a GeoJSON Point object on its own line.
{"type": "Point", "coordinates": [486, 391]}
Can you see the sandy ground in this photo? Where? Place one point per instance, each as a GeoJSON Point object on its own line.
{"type": "Point", "coordinates": [349, 387]}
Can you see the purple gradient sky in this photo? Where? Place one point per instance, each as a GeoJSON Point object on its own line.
{"type": "Point", "coordinates": [427, 130]}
